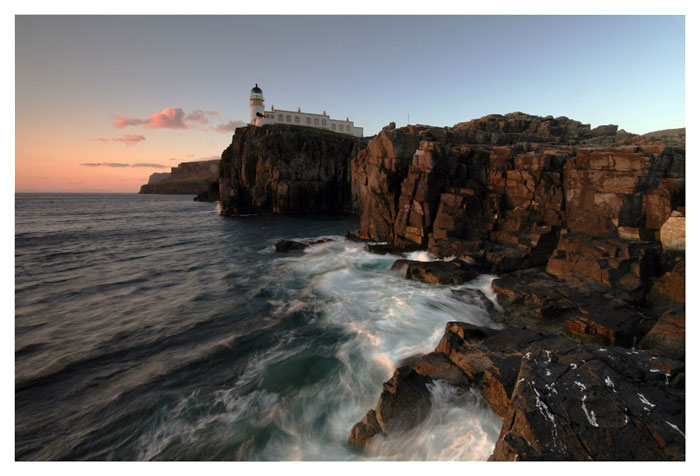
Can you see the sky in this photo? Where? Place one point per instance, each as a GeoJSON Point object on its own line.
{"type": "Point", "coordinates": [101, 102]}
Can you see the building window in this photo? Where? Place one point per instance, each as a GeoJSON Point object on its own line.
{"type": "Point", "coordinates": [308, 120]}
{"type": "Point", "coordinates": [315, 121]}
{"type": "Point", "coordinates": [333, 126]}
{"type": "Point", "coordinates": [281, 118]}
{"type": "Point", "coordinates": [296, 119]}
{"type": "Point", "coordinates": [289, 118]}
{"type": "Point", "coordinates": [340, 127]}
{"type": "Point", "coordinates": [323, 122]}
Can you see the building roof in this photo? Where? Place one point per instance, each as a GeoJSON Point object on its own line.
{"type": "Point", "coordinates": [256, 89]}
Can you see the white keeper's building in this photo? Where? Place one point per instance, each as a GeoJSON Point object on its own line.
{"type": "Point", "coordinates": [259, 117]}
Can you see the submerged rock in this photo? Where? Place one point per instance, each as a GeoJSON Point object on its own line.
{"type": "Point", "coordinates": [284, 246]}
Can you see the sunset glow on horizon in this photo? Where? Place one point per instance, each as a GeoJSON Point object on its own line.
{"type": "Point", "coordinates": [102, 102]}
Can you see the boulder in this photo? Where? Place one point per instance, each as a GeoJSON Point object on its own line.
{"type": "Point", "coordinates": [673, 232]}
{"type": "Point", "coordinates": [404, 401]}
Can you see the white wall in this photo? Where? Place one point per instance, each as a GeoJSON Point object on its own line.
{"type": "Point", "coordinates": [320, 121]}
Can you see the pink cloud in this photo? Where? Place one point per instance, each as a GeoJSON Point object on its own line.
{"type": "Point", "coordinates": [168, 118]}
{"type": "Point", "coordinates": [229, 126]}
{"type": "Point", "coordinates": [129, 139]}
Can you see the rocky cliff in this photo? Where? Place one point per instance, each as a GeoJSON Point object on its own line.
{"type": "Point", "coordinates": [187, 178]}
{"type": "Point", "coordinates": [281, 168]}
{"type": "Point", "coordinates": [585, 229]}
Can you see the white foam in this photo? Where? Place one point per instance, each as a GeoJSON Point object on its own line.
{"type": "Point", "coordinates": [384, 318]}
{"type": "Point", "coordinates": [459, 426]}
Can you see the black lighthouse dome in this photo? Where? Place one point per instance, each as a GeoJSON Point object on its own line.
{"type": "Point", "coordinates": [256, 90]}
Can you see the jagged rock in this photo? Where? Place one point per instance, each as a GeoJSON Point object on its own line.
{"type": "Point", "coordinates": [489, 358]}
{"type": "Point", "coordinates": [436, 272]}
{"type": "Point", "coordinates": [361, 433]}
{"type": "Point", "coordinates": [612, 261]}
{"type": "Point", "coordinates": [587, 312]}
{"type": "Point", "coordinates": [436, 366]}
{"type": "Point", "coordinates": [404, 401]}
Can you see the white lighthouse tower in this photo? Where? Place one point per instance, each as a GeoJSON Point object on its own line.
{"type": "Point", "coordinates": [257, 104]}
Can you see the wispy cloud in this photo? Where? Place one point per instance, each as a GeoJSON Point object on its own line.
{"type": "Point", "coordinates": [104, 164]}
{"type": "Point", "coordinates": [127, 139]}
{"type": "Point", "coordinates": [229, 126]}
{"type": "Point", "coordinates": [122, 165]}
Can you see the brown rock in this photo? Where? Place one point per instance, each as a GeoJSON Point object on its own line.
{"type": "Point", "coordinates": [669, 288]}
{"type": "Point", "coordinates": [404, 402]}
{"type": "Point", "coordinates": [667, 336]}
{"type": "Point", "coordinates": [673, 233]}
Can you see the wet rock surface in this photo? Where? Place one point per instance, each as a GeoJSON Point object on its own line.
{"type": "Point", "coordinates": [436, 272]}
{"type": "Point", "coordinates": [585, 403]}
{"type": "Point", "coordinates": [558, 399]}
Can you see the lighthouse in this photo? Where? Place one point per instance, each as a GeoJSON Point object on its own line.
{"type": "Point", "coordinates": [257, 104]}
{"type": "Point", "coordinates": [260, 117]}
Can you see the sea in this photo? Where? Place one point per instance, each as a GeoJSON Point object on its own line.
{"type": "Point", "coordinates": [149, 327]}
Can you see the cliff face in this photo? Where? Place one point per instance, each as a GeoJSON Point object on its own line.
{"type": "Point", "coordinates": [187, 178]}
{"type": "Point", "coordinates": [585, 229]}
{"type": "Point", "coordinates": [283, 169]}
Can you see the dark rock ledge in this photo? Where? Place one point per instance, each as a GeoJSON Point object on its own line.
{"type": "Point", "coordinates": [559, 400]}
